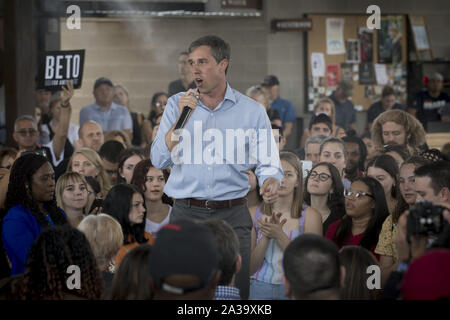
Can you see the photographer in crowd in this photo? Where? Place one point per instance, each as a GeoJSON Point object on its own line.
{"type": "Point", "coordinates": [415, 235]}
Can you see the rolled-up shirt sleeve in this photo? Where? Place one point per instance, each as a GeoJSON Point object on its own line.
{"type": "Point", "coordinates": [160, 154]}
{"type": "Point", "coordinates": [268, 158]}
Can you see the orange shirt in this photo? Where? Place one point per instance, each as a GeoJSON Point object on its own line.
{"type": "Point", "coordinates": [128, 247]}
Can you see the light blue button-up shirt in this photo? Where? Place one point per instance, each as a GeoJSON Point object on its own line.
{"type": "Point", "coordinates": [117, 117]}
{"type": "Point", "coordinates": [210, 162]}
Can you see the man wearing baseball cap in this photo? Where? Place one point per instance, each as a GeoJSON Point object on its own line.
{"type": "Point", "coordinates": [271, 85]}
{"type": "Point", "coordinates": [429, 105]}
{"type": "Point", "coordinates": [104, 111]}
{"type": "Point", "coordinates": [184, 263]}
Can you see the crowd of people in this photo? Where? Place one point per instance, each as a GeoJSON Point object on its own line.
{"type": "Point", "coordinates": [111, 199]}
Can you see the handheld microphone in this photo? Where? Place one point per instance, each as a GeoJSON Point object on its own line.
{"type": "Point", "coordinates": [185, 114]}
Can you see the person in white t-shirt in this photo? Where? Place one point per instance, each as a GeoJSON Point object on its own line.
{"type": "Point", "coordinates": [60, 119]}
{"type": "Point", "coordinates": [151, 182]}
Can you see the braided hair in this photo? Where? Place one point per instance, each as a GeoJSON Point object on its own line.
{"type": "Point", "coordinates": [22, 173]}
{"type": "Point", "coordinates": [46, 276]}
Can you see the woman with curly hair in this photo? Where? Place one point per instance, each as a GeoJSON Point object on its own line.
{"type": "Point", "coordinates": [151, 182]}
{"type": "Point", "coordinates": [30, 206]}
{"type": "Point", "coordinates": [46, 276]}
{"type": "Point", "coordinates": [88, 163]}
{"type": "Point", "coordinates": [398, 127]}
{"type": "Point", "coordinates": [126, 204]}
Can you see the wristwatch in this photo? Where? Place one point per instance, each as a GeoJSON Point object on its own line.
{"type": "Point", "coordinates": [402, 266]}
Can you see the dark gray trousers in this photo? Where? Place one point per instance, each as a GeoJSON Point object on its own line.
{"type": "Point", "coordinates": [239, 218]}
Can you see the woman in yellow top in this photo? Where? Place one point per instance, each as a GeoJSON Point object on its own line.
{"type": "Point", "coordinates": [126, 204]}
{"type": "Point", "coordinates": [386, 247]}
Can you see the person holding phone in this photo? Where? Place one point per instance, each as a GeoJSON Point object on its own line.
{"type": "Point", "coordinates": [26, 131]}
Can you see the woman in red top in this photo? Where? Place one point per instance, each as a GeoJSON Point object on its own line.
{"type": "Point", "coordinates": [366, 208]}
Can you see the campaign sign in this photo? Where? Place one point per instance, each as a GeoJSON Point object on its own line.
{"type": "Point", "coordinates": [59, 67]}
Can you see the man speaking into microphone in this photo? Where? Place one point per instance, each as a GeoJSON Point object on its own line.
{"type": "Point", "coordinates": [225, 134]}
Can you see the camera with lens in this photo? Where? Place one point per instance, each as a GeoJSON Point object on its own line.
{"type": "Point", "coordinates": [425, 219]}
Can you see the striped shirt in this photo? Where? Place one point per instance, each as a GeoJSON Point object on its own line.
{"type": "Point", "coordinates": [117, 117]}
{"type": "Point", "coordinates": [271, 269]}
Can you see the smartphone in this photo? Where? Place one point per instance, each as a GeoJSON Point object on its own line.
{"type": "Point", "coordinates": [307, 166]}
{"type": "Point", "coordinates": [98, 203]}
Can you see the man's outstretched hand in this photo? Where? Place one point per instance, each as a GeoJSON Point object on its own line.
{"type": "Point", "coordinates": [269, 190]}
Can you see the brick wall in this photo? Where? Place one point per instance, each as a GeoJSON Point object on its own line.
{"type": "Point", "coordinates": [142, 54]}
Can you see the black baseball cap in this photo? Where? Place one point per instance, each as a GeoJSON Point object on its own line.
{"type": "Point", "coordinates": [184, 248]}
{"type": "Point", "coordinates": [270, 81]}
{"type": "Point", "coordinates": [101, 81]}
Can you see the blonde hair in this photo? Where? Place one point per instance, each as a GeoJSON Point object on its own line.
{"type": "Point", "coordinates": [104, 234]}
{"type": "Point", "coordinates": [93, 157]}
{"type": "Point", "coordinates": [415, 134]}
{"type": "Point", "coordinates": [62, 183]}
{"type": "Point", "coordinates": [333, 108]}
{"type": "Point", "coordinates": [257, 90]}
{"type": "Point", "coordinates": [297, 203]}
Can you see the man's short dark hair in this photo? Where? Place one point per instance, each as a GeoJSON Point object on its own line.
{"type": "Point", "coordinates": [387, 91]}
{"type": "Point", "coordinates": [273, 114]}
{"type": "Point", "coordinates": [228, 245]}
{"type": "Point", "coordinates": [312, 267]}
{"type": "Point", "coordinates": [321, 118]}
{"type": "Point", "coordinates": [101, 81]}
{"type": "Point", "coordinates": [270, 81]}
{"type": "Point", "coordinates": [438, 172]}
{"type": "Point", "coordinates": [346, 87]}
{"type": "Point", "coordinates": [276, 127]}
{"type": "Point", "coordinates": [110, 151]}
{"type": "Point", "coordinates": [219, 48]}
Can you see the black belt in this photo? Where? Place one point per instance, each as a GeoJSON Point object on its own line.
{"type": "Point", "coordinates": [209, 204]}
